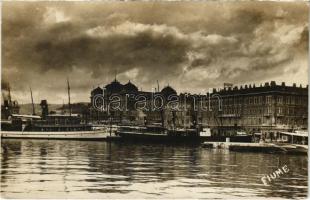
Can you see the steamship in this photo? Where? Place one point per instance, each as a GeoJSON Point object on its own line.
{"type": "Point", "coordinates": [52, 126]}
{"type": "Point", "coordinates": [156, 133]}
{"type": "Point", "coordinates": [55, 126]}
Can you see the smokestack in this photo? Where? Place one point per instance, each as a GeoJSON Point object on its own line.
{"type": "Point", "coordinates": [44, 107]}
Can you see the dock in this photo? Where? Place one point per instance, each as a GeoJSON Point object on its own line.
{"type": "Point", "coordinates": [256, 147]}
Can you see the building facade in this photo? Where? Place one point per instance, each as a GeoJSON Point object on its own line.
{"type": "Point", "coordinates": [267, 107]}
{"type": "Point", "coordinates": [124, 102]}
{"type": "Point", "coordinates": [251, 108]}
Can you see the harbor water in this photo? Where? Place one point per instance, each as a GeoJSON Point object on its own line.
{"type": "Point", "coordinates": [94, 169]}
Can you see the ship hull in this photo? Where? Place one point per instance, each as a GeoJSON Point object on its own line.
{"type": "Point", "coordinates": [163, 138]}
{"type": "Point", "coordinates": [158, 138]}
{"type": "Point", "coordinates": [236, 138]}
{"type": "Point", "coordinates": [70, 135]}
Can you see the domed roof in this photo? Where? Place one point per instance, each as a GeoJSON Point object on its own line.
{"type": "Point", "coordinates": [97, 90]}
{"type": "Point", "coordinates": [114, 86]}
{"type": "Point", "coordinates": [129, 87]}
{"type": "Point", "coordinates": [168, 90]}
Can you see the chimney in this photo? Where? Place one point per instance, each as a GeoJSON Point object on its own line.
{"type": "Point", "coordinates": [283, 84]}
{"type": "Point", "coordinates": [44, 107]}
{"type": "Point", "coordinates": [273, 83]}
{"type": "Point", "coordinates": [246, 86]}
{"type": "Point", "coordinates": [294, 84]}
{"type": "Point", "coordinates": [6, 103]}
{"type": "Point", "coordinates": [266, 84]}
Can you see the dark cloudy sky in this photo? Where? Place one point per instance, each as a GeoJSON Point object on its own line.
{"type": "Point", "coordinates": [192, 46]}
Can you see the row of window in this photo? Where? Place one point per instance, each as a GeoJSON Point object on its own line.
{"type": "Point", "coordinates": [256, 100]}
{"type": "Point", "coordinates": [262, 120]}
{"type": "Point", "coordinates": [264, 111]}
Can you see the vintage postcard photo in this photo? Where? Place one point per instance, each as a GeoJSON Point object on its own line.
{"type": "Point", "coordinates": [154, 99]}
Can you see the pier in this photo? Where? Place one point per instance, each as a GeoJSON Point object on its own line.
{"type": "Point", "coordinates": [258, 147]}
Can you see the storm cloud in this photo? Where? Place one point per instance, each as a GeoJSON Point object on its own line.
{"type": "Point", "coordinates": [191, 46]}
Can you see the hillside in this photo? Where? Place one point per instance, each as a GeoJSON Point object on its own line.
{"type": "Point", "coordinates": [27, 108]}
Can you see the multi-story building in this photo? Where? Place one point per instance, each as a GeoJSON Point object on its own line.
{"type": "Point", "coordinates": [267, 107]}
{"type": "Point", "coordinates": [249, 107]}
{"type": "Point", "coordinates": [126, 106]}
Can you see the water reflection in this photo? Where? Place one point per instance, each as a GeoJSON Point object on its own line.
{"type": "Point", "coordinates": [81, 169]}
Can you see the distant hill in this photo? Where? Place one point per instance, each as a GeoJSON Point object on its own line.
{"type": "Point", "coordinates": [27, 108]}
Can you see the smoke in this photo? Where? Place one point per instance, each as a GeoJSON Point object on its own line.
{"type": "Point", "coordinates": [4, 90]}
{"type": "Point", "coordinates": [4, 85]}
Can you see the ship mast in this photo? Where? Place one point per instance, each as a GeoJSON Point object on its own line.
{"type": "Point", "coordinates": [33, 110]}
{"type": "Point", "coordinates": [173, 119]}
{"type": "Point", "coordinates": [10, 99]}
{"type": "Point", "coordinates": [69, 96]}
{"type": "Point", "coordinates": [63, 107]}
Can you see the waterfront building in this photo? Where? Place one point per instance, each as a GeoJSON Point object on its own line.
{"type": "Point", "coordinates": [127, 95]}
{"type": "Point", "coordinates": [267, 107]}
{"type": "Point", "coordinates": [102, 101]}
{"type": "Point", "coordinates": [249, 108]}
